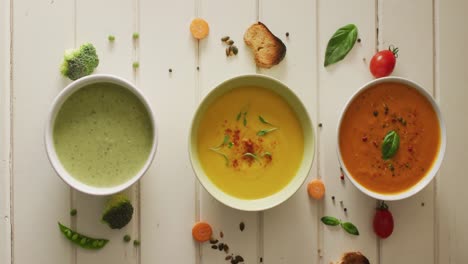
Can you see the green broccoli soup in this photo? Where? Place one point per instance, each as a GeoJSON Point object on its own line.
{"type": "Point", "coordinates": [103, 135]}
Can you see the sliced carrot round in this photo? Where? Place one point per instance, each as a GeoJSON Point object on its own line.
{"type": "Point", "coordinates": [199, 28]}
{"type": "Point", "coordinates": [201, 231]}
{"type": "Point", "coordinates": [316, 189]}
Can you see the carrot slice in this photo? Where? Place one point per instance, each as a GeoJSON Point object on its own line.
{"type": "Point", "coordinates": [199, 28]}
{"type": "Point", "coordinates": [201, 231]}
{"type": "Point", "coordinates": [316, 189]}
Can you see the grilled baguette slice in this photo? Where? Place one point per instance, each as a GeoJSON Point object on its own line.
{"type": "Point", "coordinates": [267, 48]}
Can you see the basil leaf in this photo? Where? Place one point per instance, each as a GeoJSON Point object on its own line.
{"type": "Point", "coordinates": [330, 220]}
{"type": "Point", "coordinates": [238, 116]}
{"type": "Point", "coordinates": [265, 131]}
{"type": "Point", "coordinates": [390, 145]}
{"type": "Point", "coordinates": [350, 228]}
{"type": "Point", "coordinates": [340, 44]}
{"type": "Point", "coordinates": [226, 159]}
{"type": "Point", "coordinates": [248, 154]}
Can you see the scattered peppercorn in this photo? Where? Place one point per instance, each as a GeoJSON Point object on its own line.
{"type": "Point", "coordinates": [214, 247]}
{"type": "Point", "coordinates": [333, 198]}
{"type": "Point", "coordinates": [230, 42]}
{"type": "Point", "coordinates": [127, 238]}
{"type": "Point", "coordinates": [73, 212]}
{"type": "Point", "coordinates": [226, 248]}
{"type": "Point", "coordinates": [198, 68]}
{"type": "Point", "coordinates": [136, 243]}
{"type": "Point", "coordinates": [228, 257]}
{"type": "Point", "coordinates": [376, 113]}
{"type": "Point", "coordinates": [422, 204]}
{"type": "Point", "coordinates": [320, 125]}
{"type": "Point", "coordinates": [342, 177]}
{"type": "Point", "coordinates": [213, 241]}
{"type": "Point", "coordinates": [221, 246]}
{"type": "Point", "coordinates": [345, 209]}
{"type": "Point", "coordinates": [234, 49]}
{"type": "Point", "coordinates": [287, 34]}
{"type": "Point", "coordinates": [242, 226]}
{"type": "Point", "coordinates": [221, 234]}
{"type": "Point", "coordinates": [359, 40]}
{"type": "Point", "coordinates": [225, 38]}
{"type": "Point", "coordinates": [170, 70]}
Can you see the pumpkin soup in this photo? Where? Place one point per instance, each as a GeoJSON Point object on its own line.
{"type": "Point", "coordinates": [389, 137]}
{"type": "Point", "coordinates": [250, 142]}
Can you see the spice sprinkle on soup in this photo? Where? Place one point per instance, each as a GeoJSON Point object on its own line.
{"type": "Point", "coordinates": [389, 137]}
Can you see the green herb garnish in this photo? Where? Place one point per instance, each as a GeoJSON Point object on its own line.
{"type": "Point", "coordinates": [239, 116]}
{"type": "Point", "coordinates": [225, 141]}
{"type": "Point", "coordinates": [390, 145]}
{"type": "Point", "coordinates": [248, 154]}
{"type": "Point", "coordinates": [245, 119]}
{"type": "Point", "coordinates": [222, 154]}
{"type": "Point", "coordinates": [265, 131]}
{"type": "Point", "coordinates": [347, 226]}
{"type": "Point", "coordinates": [230, 144]}
{"type": "Point", "coordinates": [264, 121]}
{"type": "Point", "coordinates": [266, 153]}
{"type": "Point", "coordinates": [340, 44]}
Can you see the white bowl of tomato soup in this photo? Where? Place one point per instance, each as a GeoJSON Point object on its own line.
{"type": "Point", "coordinates": [100, 134]}
{"type": "Point", "coordinates": [251, 142]}
{"type": "Point", "coordinates": [391, 138]}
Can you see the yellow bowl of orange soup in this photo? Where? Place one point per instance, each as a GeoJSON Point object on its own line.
{"type": "Point", "coordinates": [251, 142]}
{"type": "Point", "coordinates": [391, 138]}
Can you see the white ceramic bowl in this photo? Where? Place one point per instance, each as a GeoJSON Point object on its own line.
{"type": "Point", "coordinates": [49, 142]}
{"type": "Point", "coordinates": [435, 166]}
{"type": "Point", "coordinates": [309, 143]}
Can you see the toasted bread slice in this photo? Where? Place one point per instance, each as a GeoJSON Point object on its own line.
{"type": "Point", "coordinates": [268, 49]}
{"type": "Point", "coordinates": [353, 258]}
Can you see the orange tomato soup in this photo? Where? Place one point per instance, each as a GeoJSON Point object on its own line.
{"type": "Point", "coordinates": [369, 117]}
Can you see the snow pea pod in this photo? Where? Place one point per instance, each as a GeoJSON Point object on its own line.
{"type": "Point", "coordinates": [82, 240]}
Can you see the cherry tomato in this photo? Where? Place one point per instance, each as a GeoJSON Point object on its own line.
{"type": "Point", "coordinates": [383, 62]}
{"type": "Point", "coordinates": [383, 221]}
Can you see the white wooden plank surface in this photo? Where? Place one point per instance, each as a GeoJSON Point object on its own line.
{"type": "Point", "coordinates": [5, 230]}
{"type": "Point", "coordinates": [414, 222]}
{"type": "Point", "coordinates": [336, 84]}
{"type": "Point", "coordinates": [232, 19]}
{"type": "Point", "coordinates": [115, 58]}
{"type": "Point", "coordinates": [451, 76]}
{"type": "Point", "coordinates": [291, 231]}
{"type": "Point", "coordinates": [168, 189]}
{"type": "Point", "coordinates": [42, 31]}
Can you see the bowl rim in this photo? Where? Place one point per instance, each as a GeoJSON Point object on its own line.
{"type": "Point", "coordinates": [430, 174]}
{"type": "Point", "coordinates": [57, 103]}
{"type": "Point", "coordinates": [303, 171]}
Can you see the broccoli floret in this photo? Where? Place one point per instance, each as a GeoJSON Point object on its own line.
{"type": "Point", "coordinates": [118, 211]}
{"type": "Point", "coordinates": [79, 62]}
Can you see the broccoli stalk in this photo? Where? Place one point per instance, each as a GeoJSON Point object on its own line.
{"type": "Point", "coordinates": [118, 211]}
{"type": "Point", "coordinates": [79, 62]}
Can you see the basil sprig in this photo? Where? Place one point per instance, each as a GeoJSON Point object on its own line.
{"type": "Point", "coordinates": [340, 44]}
{"type": "Point", "coordinates": [347, 226]}
{"type": "Point", "coordinates": [390, 145]}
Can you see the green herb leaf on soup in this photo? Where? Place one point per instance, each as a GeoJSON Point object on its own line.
{"type": "Point", "coordinates": [390, 145]}
{"type": "Point", "coordinates": [340, 44]}
{"type": "Point", "coordinates": [245, 119]}
{"type": "Point", "coordinates": [264, 121]}
{"type": "Point", "coordinates": [238, 116]}
{"type": "Point", "coordinates": [350, 228]}
{"type": "Point", "coordinates": [266, 153]}
{"type": "Point", "coordinates": [226, 159]}
{"type": "Point", "coordinates": [330, 220]}
{"type": "Point", "coordinates": [248, 154]}
{"type": "Point", "coordinates": [265, 131]}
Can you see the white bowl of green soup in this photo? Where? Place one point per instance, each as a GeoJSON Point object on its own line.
{"type": "Point", "coordinates": [100, 135]}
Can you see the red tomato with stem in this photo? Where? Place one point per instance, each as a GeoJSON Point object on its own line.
{"type": "Point", "coordinates": [383, 62]}
{"type": "Point", "coordinates": [383, 221]}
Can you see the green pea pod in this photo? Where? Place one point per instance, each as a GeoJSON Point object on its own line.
{"type": "Point", "coordinates": [390, 145]}
{"type": "Point", "coordinates": [350, 228]}
{"type": "Point", "coordinates": [331, 221]}
{"type": "Point", "coordinates": [82, 240]}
